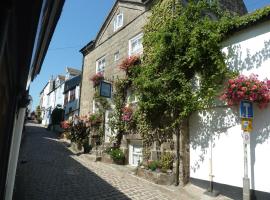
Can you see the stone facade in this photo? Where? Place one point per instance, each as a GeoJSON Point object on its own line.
{"type": "Point", "coordinates": [107, 44]}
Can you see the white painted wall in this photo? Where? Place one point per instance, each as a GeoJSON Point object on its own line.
{"type": "Point", "coordinates": [250, 50]}
{"type": "Point", "coordinates": [45, 104]}
{"type": "Point", "coordinates": [59, 98]}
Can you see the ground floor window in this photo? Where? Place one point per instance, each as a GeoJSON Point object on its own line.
{"type": "Point", "coordinates": [135, 154]}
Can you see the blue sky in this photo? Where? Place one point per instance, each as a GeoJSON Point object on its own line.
{"type": "Point", "coordinates": [79, 23]}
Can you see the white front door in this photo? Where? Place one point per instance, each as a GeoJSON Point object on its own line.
{"type": "Point", "coordinates": [135, 154]}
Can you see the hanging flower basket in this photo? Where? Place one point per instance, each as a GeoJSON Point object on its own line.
{"type": "Point", "coordinates": [130, 62]}
{"type": "Point", "coordinates": [247, 88]}
{"type": "Point", "coordinates": [95, 119]}
{"type": "Point", "coordinates": [127, 114]}
{"type": "Point", "coordinates": [97, 78]}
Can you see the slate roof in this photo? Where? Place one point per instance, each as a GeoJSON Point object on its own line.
{"type": "Point", "coordinates": [72, 83]}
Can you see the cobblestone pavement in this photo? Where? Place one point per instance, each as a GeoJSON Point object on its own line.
{"type": "Point", "coordinates": [48, 170]}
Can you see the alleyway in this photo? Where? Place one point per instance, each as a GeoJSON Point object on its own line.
{"type": "Point", "coordinates": [47, 170]}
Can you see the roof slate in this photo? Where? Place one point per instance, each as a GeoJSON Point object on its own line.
{"type": "Point", "coordinates": [72, 83]}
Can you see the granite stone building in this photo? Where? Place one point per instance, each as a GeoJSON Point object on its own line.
{"type": "Point", "coordinates": [121, 36]}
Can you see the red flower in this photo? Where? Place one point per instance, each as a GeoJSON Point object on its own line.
{"type": "Point", "coordinates": [129, 62]}
{"type": "Point", "coordinates": [97, 78]}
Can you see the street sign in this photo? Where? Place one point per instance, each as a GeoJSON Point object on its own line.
{"type": "Point", "coordinates": [105, 89]}
{"type": "Point", "coordinates": [246, 124]}
{"type": "Point", "coordinates": [246, 109]}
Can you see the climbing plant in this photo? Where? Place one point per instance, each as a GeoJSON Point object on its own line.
{"type": "Point", "coordinates": [182, 69]}
{"type": "Point", "coordinates": [122, 119]}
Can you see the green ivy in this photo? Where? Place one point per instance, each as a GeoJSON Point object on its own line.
{"type": "Point", "coordinates": [182, 69]}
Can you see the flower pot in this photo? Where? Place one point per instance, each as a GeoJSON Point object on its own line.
{"type": "Point", "coordinates": [87, 148]}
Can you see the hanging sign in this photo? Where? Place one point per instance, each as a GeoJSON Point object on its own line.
{"type": "Point", "coordinates": [246, 109]}
{"type": "Point", "coordinates": [246, 124]}
{"type": "Point", "coordinates": [105, 89]}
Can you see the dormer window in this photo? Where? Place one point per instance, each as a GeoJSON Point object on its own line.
{"type": "Point", "coordinates": [118, 21]}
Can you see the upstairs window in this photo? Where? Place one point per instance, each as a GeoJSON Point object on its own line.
{"type": "Point", "coordinates": [118, 21]}
{"type": "Point", "coordinates": [135, 45]}
{"type": "Point", "coordinates": [72, 95]}
{"type": "Point", "coordinates": [100, 64]}
{"type": "Point", "coordinates": [116, 56]}
{"type": "Point", "coordinates": [131, 96]}
{"type": "Point", "coordinates": [66, 99]}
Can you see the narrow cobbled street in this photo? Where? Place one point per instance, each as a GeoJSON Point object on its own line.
{"type": "Point", "coordinates": [48, 170]}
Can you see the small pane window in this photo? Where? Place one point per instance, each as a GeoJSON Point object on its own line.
{"type": "Point", "coordinates": [100, 65]}
{"type": "Point", "coordinates": [72, 95]}
{"type": "Point", "coordinates": [135, 45]}
{"type": "Point", "coordinates": [118, 21]}
{"type": "Point", "coordinates": [116, 56]}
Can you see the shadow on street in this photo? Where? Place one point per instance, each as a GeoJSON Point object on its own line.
{"type": "Point", "coordinates": [46, 171]}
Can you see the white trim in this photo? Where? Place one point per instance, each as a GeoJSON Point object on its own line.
{"type": "Point", "coordinates": [132, 147]}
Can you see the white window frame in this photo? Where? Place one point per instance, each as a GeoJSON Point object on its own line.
{"type": "Point", "coordinates": [100, 68]}
{"type": "Point", "coordinates": [116, 55]}
{"type": "Point", "coordinates": [139, 50]}
{"type": "Point", "coordinates": [129, 94]}
{"type": "Point", "coordinates": [118, 21]}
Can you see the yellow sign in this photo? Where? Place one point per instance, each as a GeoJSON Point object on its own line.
{"type": "Point", "coordinates": [246, 124]}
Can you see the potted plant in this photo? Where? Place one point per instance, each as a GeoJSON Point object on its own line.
{"type": "Point", "coordinates": [117, 155]}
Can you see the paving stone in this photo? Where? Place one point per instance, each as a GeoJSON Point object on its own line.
{"type": "Point", "coordinates": [51, 171]}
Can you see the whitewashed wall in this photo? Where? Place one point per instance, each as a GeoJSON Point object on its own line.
{"type": "Point", "coordinates": [59, 99]}
{"type": "Point", "coordinates": [249, 52]}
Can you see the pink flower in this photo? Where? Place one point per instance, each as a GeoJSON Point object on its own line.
{"type": "Point", "coordinates": [231, 81]}
{"type": "Point", "coordinates": [233, 86]}
{"type": "Point", "coordinates": [249, 88]}
{"type": "Point", "coordinates": [254, 87]}
{"type": "Point", "coordinates": [244, 89]}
